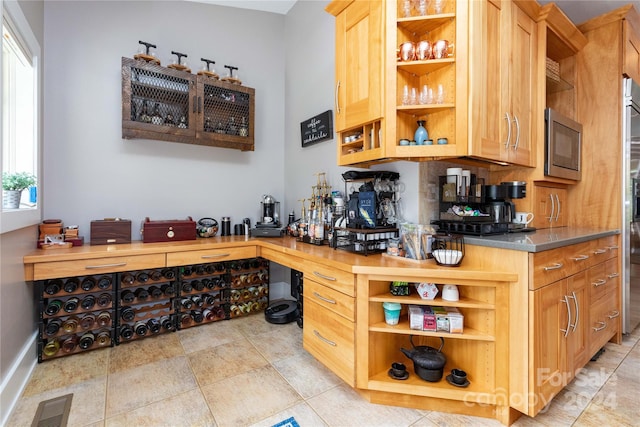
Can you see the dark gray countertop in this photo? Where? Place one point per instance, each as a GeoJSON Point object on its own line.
{"type": "Point", "coordinates": [540, 240]}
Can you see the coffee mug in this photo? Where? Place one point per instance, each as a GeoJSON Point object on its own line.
{"type": "Point", "coordinates": [523, 218]}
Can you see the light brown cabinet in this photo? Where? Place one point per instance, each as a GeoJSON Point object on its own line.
{"type": "Point", "coordinates": [503, 82]}
{"type": "Point", "coordinates": [164, 104]}
{"type": "Point", "coordinates": [550, 206]}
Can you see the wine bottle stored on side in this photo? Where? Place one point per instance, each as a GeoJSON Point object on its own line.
{"type": "Point", "coordinates": [52, 287]}
{"type": "Point", "coordinates": [127, 314]}
{"type": "Point", "coordinates": [186, 287]}
{"type": "Point", "coordinates": [197, 300]}
{"type": "Point", "coordinates": [185, 320]}
{"type": "Point", "coordinates": [88, 283]}
{"type": "Point", "coordinates": [52, 326]}
{"type": "Point", "coordinates": [169, 273]}
{"type": "Point", "coordinates": [86, 341]}
{"type": "Point", "coordinates": [103, 300]}
{"type": "Point", "coordinates": [140, 328]}
{"type": "Point", "coordinates": [70, 344]}
{"type": "Point", "coordinates": [155, 275]}
{"type": "Point", "coordinates": [142, 294]}
{"type": "Point", "coordinates": [197, 316]}
{"type": "Point", "coordinates": [186, 303]}
{"type": "Point", "coordinates": [71, 284]}
{"type": "Point", "coordinates": [166, 323]}
{"type": "Point", "coordinates": [71, 304]}
{"type": "Point", "coordinates": [126, 332]}
{"type": "Point", "coordinates": [127, 296]}
{"type": "Point", "coordinates": [155, 292]}
{"type": "Point", "coordinates": [88, 302]}
{"type": "Point", "coordinates": [127, 279]}
{"type": "Point", "coordinates": [142, 277]}
{"type": "Point", "coordinates": [154, 326]}
{"type": "Point", "coordinates": [51, 348]}
{"type": "Point", "coordinates": [104, 282]}
{"type": "Point", "coordinates": [53, 307]}
{"type": "Point", "coordinates": [104, 319]}
{"type": "Point", "coordinates": [168, 290]}
{"type": "Point", "coordinates": [70, 325]}
{"type": "Point", "coordinates": [197, 285]}
{"type": "Point", "coordinates": [103, 339]}
{"type": "Point", "coordinates": [87, 321]}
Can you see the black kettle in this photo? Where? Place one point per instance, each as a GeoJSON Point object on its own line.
{"type": "Point", "coordinates": [428, 363]}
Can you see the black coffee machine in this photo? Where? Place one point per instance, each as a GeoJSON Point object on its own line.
{"type": "Point", "coordinates": [498, 202]}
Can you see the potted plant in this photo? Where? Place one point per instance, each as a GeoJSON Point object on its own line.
{"type": "Point", "coordinates": [13, 184]}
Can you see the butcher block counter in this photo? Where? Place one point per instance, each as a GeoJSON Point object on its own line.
{"type": "Point", "coordinates": [345, 328]}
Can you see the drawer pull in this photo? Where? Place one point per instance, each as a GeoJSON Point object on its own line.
{"type": "Point", "coordinates": [215, 256]}
{"type": "Point", "coordinates": [580, 257]}
{"type": "Point", "coordinates": [613, 314]}
{"type": "Point", "coordinates": [613, 275]}
{"type": "Point", "coordinates": [331, 343]}
{"type": "Point", "coordinates": [320, 297]}
{"type": "Point", "coordinates": [322, 276]}
{"type": "Point", "coordinates": [599, 282]}
{"type": "Point", "coordinates": [118, 264]}
{"type": "Point", "coordinates": [555, 266]}
{"type": "Point", "coordinates": [612, 248]}
{"type": "Point", "coordinates": [600, 251]}
{"type": "Point", "coordinates": [603, 326]}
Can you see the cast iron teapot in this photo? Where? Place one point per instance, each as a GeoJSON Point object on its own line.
{"type": "Point", "coordinates": [428, 363]}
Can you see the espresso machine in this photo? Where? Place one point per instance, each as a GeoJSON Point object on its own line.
{"type": "Point", "coordinates": [498, 201]}
{"type": "Point", "coordinates": [269, 224]}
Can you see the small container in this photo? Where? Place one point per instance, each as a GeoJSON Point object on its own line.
{"type": "Point", "coordinates": [443, 141]}
{"type": "Point", "coordinates": [226, 226]}
{"type": "Point", "coordinates": [393, 246]}
{"type": "Point", "coordinates": [391, 312]}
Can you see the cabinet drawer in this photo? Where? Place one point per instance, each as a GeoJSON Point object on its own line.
{"type": "Point", "coordinates": [56, 269]}
{"type": "Point", "coordinates": [335, 279]}
{"type": "Point", "coordinates": [598, 282]}
{"type": "Point", "coordinates": [330, 339]}
{"type": "Point", "coordinates": [209, 255]}
{"type": "Point", "coordinates": [330, 299]}
{"type": "Point", "coordinates": [605, 248]}
{"type": "Point", "coordinates": [553, 265]}
{"type": "Point", "coordinates": [604, 320]}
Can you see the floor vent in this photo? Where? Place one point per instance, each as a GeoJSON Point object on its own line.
{"type": "Point", "coordinates": [53, 412]}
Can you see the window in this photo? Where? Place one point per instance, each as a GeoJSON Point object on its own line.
{"type": "Point", "coordinates": [20, 92]}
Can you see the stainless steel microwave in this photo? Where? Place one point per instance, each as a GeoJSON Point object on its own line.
{"type": "Point", "coordinates": [563, 146]}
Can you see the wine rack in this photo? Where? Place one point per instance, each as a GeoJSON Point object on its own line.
{"type": "Point", "coordinates": [204, 294]}
{"type": "Point", "coordinates": [249, 286]}
{"type": "Point", "coordinates": [75, 314]}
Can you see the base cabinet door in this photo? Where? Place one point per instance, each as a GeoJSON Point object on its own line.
{"type": "Point", "coordinates": [549, 207]}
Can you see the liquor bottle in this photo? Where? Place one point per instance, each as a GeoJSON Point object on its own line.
{"type": "Point", "coordinates": [71, 304]}
{"type": "Point", "coordinates": [168, 290]}
{"type": "Point", "coordinates": [53, 307]}
{"type": "Point", "coordinates": [104, 282]}
{"type": "Point", "coordinates": [104, 319]}
{"type": "Point", "coordinates": [128, 314]}
{"type": "Point", "coordinates": [155, 292]}
{"type": "Point", "coordinates": [127, 279]}
{"type": "Point", "coordinates": [52, 326]}
{"type": "Point", "coordinates": [197, 285]}
{"type": "Point", "coordinates": [142, 294]}
{"type": "Point", "coordinates": [88, 283]}
{"type": "Point", "coordinates": [186, 303]}
{"type": "Point", "coordinates": [169, 273]}
{"type": "Point", "coordinates": [53, 287]}
{"type": "Point", "coordinates": [103, 339]}
{"type": "Point", "coordinates": [86, 341]}
{"type": "Point", "coordinates": [154, 326]}
{"type": "Point", "coordinates": [142, 277]}
{"type": "Point", "coordinates": [88, 302]}
{"type": "Point", "coordinates": [71, 285]}
{"type": "Point", "coordinates": [166, 323]}
{"type": "Point", "coordinates": [51, 348]}
{"type": "Point", "coordinates": [197, 300]}
{"type": "Point", "coordinates": [126, 331]}
{"type": "Point", "coordinates": [155, 275]}
{"type": "Point", "coordinates": [87, 321]}
{"type": "Point", "coordinates": [140, 328]}
{"type": "Point", "coordinates": [104, 300]}
{"type": "Point", "coordinates": [70, 325]}
{"type": "Point", "coordinates": [186, 287]}
{"type": "Point", "coordinates": [69, 344]}
{"type": "Point", "coordinates": [197, 316]}
{"type": "Point", "coordinates": [127, 296]}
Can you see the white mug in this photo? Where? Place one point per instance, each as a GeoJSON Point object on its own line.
{"type": "Point", "coordinates": [523, 218]}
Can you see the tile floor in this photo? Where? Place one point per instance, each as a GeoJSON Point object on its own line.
{"type": "Point", "coordinates": [247, 372]}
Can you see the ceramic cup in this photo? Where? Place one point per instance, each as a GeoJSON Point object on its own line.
{"type": "Point", "coordinates": [523, 218]}
{"type": "Point", "coordinates": [458, 376]}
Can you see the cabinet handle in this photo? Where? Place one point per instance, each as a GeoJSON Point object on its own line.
{"type": "Point", "coordinates": [194, 104]}
{"type": "Point", "coordinates": [322, 276]}
{"type": "Point", "coordinates": [600, 251]}
{"type": "Point", "coordinates": [613, 275]}
{"type": "Point", "coordinates": [577, 305]}
{"type": "Point", "coordinates": [506, 116]}
{"type": "Point", "coordinates": [599, 282]}
{"type": "Point", "coordinates": [566, 301]}
{"type": "Point", "coordinates": [580, 257]}
{"type": "Point", "coordinates": [553, 208]}
{"type": "Point", "coordinates": [320, 297]}
{"type": "Point", "coordinates": [613, 314]}
{"type": "Point", "coordinates": [559, 206]}
{"type": "Point", "coordinates": [331, 343]}
{"type": "Point", "coordinates": [515, 146]}
{"type": "Point", "coordinates": [199, 104]}
{"type": "Point", "coordinates": [337, 100]}
{"type": "Point", "coordinates": [215, 256]}
{"type": "Point", "coordinates": [92, 267]}
{"type": "Point", "coordinates": [611, 248]}
{"type": "Point", "coordinates": [603, 325]}
{"type": "Point", "coordinates": [555, 266]}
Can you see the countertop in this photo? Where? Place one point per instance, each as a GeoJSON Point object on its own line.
{"type": "Point", "coordinates": [540, 240]}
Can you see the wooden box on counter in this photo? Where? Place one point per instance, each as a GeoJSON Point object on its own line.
{"type": "Point", "coordinates": [168, 231]}
{"type": "Point", "coordinates": [110, 231]}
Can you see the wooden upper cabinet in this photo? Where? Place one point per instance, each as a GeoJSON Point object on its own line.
{"type": "Point", "coordinates": [359, 56]}
{"type": "Point", "coordinates": [503, 82]}
{"type": "Point", "coordinates": [632, 51]}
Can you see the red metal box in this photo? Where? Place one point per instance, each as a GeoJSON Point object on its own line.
{"type": "Point", "coordinates": [110, 231]}
{"type": "Point", "coordinates": [168, 231]}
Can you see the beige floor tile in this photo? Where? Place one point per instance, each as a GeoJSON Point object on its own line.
{"type": "Point", "coordinates": [87, 403]}
{"type": "Point", "coordinates": [444, 420]}
{"type": "Point", "coordinates": [140, 386]}
{"type": "Point", "coordinates": [227, 360]}
{"type": "Point", "coordinates": [141, 352]}
{"type": "Point", "coordinates": [343, 406]}
{"type": "Point", "coordinates": [249, 397]}
{"type": "Point", "coordinates": [65, 371]}
{"type": "Point", "coordinates": [186, 409]}
{"type": "Point", "coordinates": [305, 374]}
{"type": "Point", "coordinates": [302, 413]}
{"type": "Point", "coordinates": [210, 335]}
{"type": "Point", "coordinates": [255, 325]}
{"type": "Point", "coordinates": [598, 416]}
{"type": "Point", "coordinates": [277, 344]}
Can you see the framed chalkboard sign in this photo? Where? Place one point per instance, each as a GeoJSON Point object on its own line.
{"type": "Point", "coordinates": [317, 129]}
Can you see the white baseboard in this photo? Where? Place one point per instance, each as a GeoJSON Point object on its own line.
{"type": "Point", "coordinates": [17, 377]}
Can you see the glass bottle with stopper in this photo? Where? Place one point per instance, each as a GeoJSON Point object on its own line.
{"type": "Point", "coordinates": [207, 69]}
{"type": "Point", "coordinates": [230, 77]}
{"type": "Point", "coordinates": [146, 54]}
{"type": "Point", "coordinates": [180, 64]}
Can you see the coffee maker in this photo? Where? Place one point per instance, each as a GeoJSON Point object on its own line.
{"type": "Point", "coordinates": [269, 224]}
{"type": "Point", "coordinates": [498, 200]}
